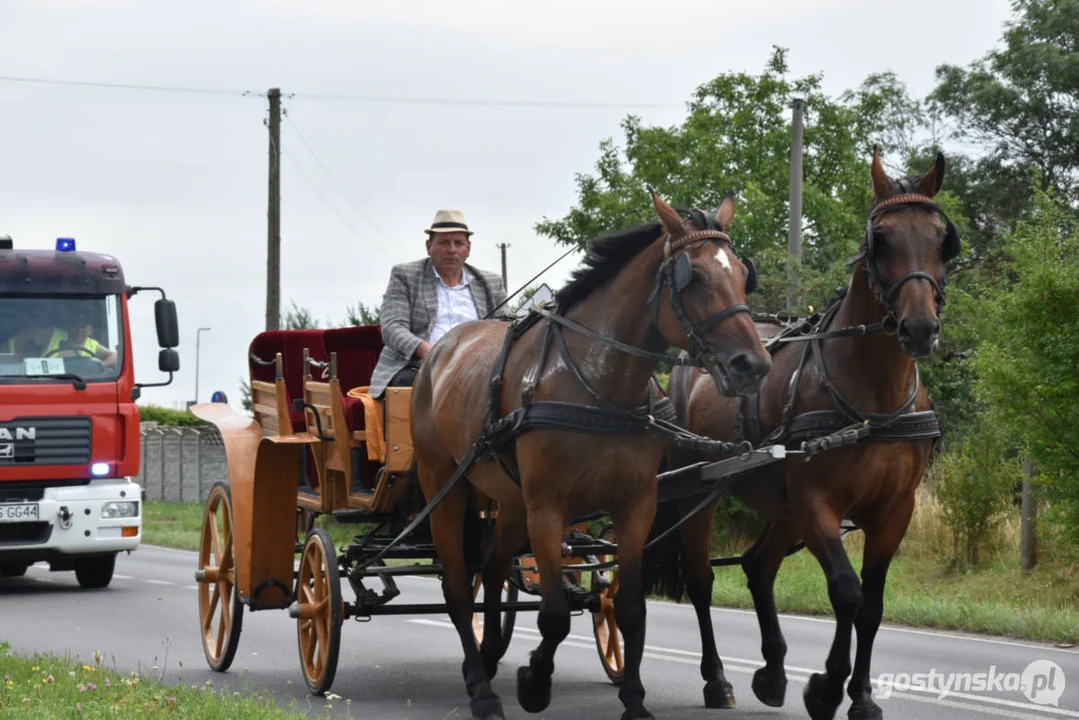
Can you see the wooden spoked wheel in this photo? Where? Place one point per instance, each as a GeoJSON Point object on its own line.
{"type": "Point", "coordinates": [509, 617]}
{"type": "Point", "coordinates": [319, 611]}
{"type": "Point", "coordinates": [604, 625]}
{"type": "Point", "coordinates": [220, 609]}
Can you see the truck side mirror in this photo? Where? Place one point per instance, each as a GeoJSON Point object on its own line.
{"type": "Point", "coordinates": [168, 328]}
{"type": "Point", "coordinates": [168, 361]}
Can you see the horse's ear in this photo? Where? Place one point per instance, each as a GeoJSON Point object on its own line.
{"type": "Point", "coordinates": [726, 212]}
{"type": "Point", "coordinates": [932, 180]}
{"type": "Point", "coordinates": [882, 184]}
{"type": "Point", "coordinates": [672, 222]}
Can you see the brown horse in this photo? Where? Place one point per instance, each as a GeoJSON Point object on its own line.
{"type": "Point", "coordinates": [673, 282]}
{"type": "Point", "coordinates": [863, 366]}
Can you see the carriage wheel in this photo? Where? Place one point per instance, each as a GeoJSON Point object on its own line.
{"type": "Point", "coordinates": [220, 610]}
{"type": "Point", "coordinates": [319, 611]}
{"type": "Point", "coordinates": [604, 625]}
{"type": "Point", "coordinates": [509, 617]}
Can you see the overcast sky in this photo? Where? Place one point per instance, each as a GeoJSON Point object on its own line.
{"type": "Point", "coordinates": [175, 184]}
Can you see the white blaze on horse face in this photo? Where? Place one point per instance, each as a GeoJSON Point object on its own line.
{"type": "Point", "coordinates": [724, 259]}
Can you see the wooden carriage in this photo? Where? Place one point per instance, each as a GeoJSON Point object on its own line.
{"type": "Point", "coordinates": [317, 444]}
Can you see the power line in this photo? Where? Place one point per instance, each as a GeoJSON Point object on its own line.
{"type": "Point", "coordinates": [126, 86]}
{"type": "Point", "coordinates": [399, 99]}
{"type": "Point", "coordinates": [486, 102]}
{"type": "Point", "coordinates": [340, 189]}
{"type": "Point", "coordinates": [333, 207]}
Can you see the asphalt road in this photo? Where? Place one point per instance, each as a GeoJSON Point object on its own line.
{"type": "Point", "coordinates": [408, 667]}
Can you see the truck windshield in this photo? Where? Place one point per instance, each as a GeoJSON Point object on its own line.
{"type": "Point", "coordinates": [51, 339]}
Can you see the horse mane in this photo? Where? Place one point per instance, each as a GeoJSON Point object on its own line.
{"type": "Point", "coordinates": [608, 254]}
{"type": "Point", "coordinates": [606, 257]}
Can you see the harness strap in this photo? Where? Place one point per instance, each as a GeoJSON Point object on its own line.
{"type": "Point", "coordinates": [563, 320]}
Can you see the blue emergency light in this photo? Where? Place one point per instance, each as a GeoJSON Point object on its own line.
{"type": "Point", "coordinates": [65, 244]}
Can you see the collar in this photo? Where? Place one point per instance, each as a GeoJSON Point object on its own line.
{"type": "Point", "coordinates": [466, 278]}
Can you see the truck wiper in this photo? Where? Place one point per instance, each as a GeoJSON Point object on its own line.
{"type": "Point", "coordinates": [77, 380]}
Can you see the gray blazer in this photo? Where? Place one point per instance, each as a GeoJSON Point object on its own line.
{"type": "Point", "coordinates": [409, 310]}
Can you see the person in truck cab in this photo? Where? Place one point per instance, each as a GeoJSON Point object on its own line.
{"type": "Point", "coordinates": [79, 337]}
{"type": "Point", "coordinates": [40, 337]}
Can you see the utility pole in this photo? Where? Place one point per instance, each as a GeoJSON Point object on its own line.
{"type": "Point", "coordinates": [794, 229]}
{"type": "Point", "coordinates": [503, 246]}
{"type": "Point", "coordinates": [273, 216]}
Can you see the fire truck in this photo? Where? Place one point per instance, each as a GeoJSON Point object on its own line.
{"type": "Point", "coordinates": [69, 426]}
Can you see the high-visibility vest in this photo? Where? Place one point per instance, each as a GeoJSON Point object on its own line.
{"type": "Point", "coordinates": [59, 337]}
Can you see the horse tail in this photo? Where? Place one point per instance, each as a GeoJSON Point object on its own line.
{"type": "Point", "coordinates": [662, 570]}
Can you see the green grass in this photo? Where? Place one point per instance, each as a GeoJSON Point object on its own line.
{"type": "Point", "coordinates": [48, 687]}
{"type": "Point", "coordinates": [997, 599]}
{"type": "Point", "coordinates": [922, 590]}
{"type": "Point", "coordinates": [179, 524]}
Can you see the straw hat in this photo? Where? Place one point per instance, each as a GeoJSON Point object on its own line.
{"type": "Point", "coordinates": [449, 221]}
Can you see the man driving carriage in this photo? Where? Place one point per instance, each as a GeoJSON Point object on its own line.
{"type": "Point", "coordinates": [426, 298]}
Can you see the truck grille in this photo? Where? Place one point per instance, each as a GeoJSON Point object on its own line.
{"type": "Point", "coordinates": [45, 441]}
{"type": "Point", "coordinates": [26, 533]}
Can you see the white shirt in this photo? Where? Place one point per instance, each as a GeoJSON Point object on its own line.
{"type": "Point", "coordinates": [455, 305]}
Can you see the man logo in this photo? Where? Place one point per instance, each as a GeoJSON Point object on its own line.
{"type": "Point", "coordinates": [27, 433]}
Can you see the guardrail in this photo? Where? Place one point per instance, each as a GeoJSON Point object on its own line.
{"type": "Point", "coordinates": [180, 464]}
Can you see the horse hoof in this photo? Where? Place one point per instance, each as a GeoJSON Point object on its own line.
{"type": "Point", "coordinates": [817, 701]}
{"type": "Point", "coordinates": [533, 693]}
{"type": "Point", "coordinates": [638, 714]}
{"type": "Point", "coordinates": [865, 709]}
{"type": "Point", "coordinates": [487, 706]}
{"type": "Point", "coordinates": [719, 695]}
{"type": "Point", "coordinates": [769, 689]}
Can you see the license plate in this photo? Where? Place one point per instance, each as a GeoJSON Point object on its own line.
{"type": "Point", "coordinates": [25, 512]}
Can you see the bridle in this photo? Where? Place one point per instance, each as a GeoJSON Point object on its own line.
{"type": "Point", "coordinates": [675, 272]}
{"type": "Point", "coordinates": [886, 297]}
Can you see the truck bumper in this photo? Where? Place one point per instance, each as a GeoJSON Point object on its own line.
{"type": "Point", "coordinates": [70, 524]}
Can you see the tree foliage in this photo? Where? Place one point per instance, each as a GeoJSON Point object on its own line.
{"type": "Point", "coordinates": [1022, 99]}
{"type": "Point", "coordinates": [1027, 353]}
{"type": "Point", "coordinates": [736, 138]}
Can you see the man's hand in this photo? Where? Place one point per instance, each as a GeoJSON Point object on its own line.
{"type": "Point", "coordinates": [422, 349]}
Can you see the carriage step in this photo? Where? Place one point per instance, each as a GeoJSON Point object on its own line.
{"type": "Point", "coordinates": [432, 569]}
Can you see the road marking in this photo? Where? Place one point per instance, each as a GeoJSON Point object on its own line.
{"type": "Point", "coordinates": [891, 628]}
{"type": "Point", "coordinates": [118, 576]}
{"type": "Point", "coordinates": [736, 664]}
{"type": "Point", "coordinates": [159, 582]}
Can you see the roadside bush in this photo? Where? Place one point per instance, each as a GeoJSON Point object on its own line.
{"type": "Point", "coordinates": [973, 485]}
{"type": "Point", "coordinates": [168, 416]}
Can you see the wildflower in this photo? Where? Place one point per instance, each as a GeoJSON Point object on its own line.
{"type": "Point", "coordinates": [48, 680]}
{"type": "Point", "coordinates": [98, 657]}
{"type": "Point", "coordinates": [87, 668]}
{"type": "Point", "coordinates": [108, 683]}
{"type": "Point", "coordinates": [78, 708]}
{"type": "Point", "coordinates": [35, 668]}
{"type": "Point", "coordinates": [332, 696]}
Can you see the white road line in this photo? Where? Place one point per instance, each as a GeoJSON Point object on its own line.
{"type": "Point", "coordinates": [892, 628]}
{"type": "Point", "coordinates": [118, 576]}
{"type": "Point", "coordinates": [159, 582]}
{"type": "Point", "coordinates": [737, 664]}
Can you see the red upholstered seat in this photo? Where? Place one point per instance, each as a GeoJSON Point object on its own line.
{"type": "Point", "coordinates": [291, 344]}
{"type": "Point", "coordinates": [357, 349]}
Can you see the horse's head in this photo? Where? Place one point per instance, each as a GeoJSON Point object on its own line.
{"type": "Point", "coordinates": [907, 243]}
{"type": "Point", "coordinates": [706, 284]}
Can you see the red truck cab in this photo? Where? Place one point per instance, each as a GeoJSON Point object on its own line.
{"type": "Point", "coordinates": [69, 426]}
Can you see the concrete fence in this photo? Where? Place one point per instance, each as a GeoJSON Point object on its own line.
{"type": "Point", "coordinates": [180, 464]}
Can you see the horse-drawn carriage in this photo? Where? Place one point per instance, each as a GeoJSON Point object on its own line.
{"type": "Point", "coordinates": [512, 405]}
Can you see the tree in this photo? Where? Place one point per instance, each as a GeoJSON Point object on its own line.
{"type": "Point", "coordinates": [1028, 351]}
{"type": "Point", "coordinates": [736, 137]}
{"type": "Point", "coordinates": [1022, 100]}
{"type": "Point", "coordinates": [362, 315]}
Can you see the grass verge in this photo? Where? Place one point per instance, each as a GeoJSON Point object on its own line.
{"type": "Point", "coordinates": [997, 599]}
{"type": "Point", "coordinates": [46, 686]}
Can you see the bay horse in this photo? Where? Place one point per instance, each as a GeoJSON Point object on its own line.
{"type": "Point", "coordinates": [861, 366]}
{"type": "Point", "coordinates": [570, 431]}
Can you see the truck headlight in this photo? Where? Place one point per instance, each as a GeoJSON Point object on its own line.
{"type": "Point", "coordinates": [119, 510]}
